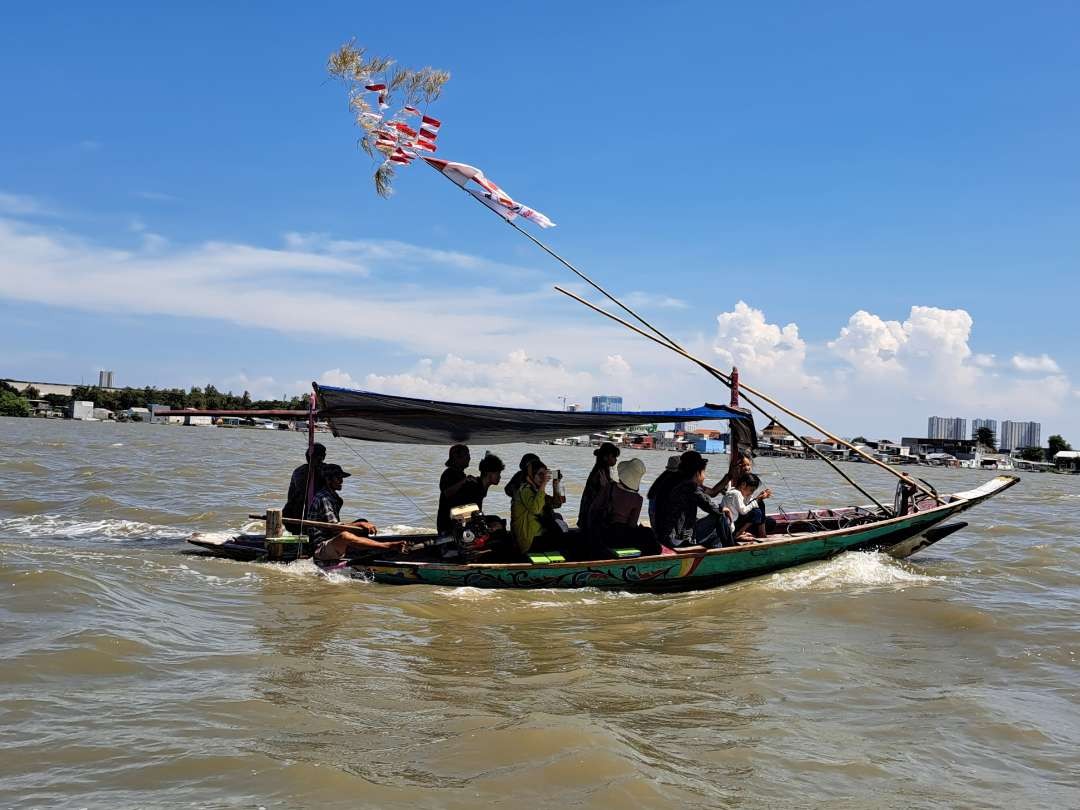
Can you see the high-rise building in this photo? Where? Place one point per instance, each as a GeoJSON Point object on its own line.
{"type": "Point", "coordinates": [607, 404]}
{"type": "Point", "coordinates": [104, 379]}
{"type": "Point", "coordinates": [944, 427]}
{"type": "Point", "coordinates": [983, 423]}
{"type": "Point", "coordinates": [1018, 435]}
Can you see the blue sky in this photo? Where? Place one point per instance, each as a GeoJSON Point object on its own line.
{"type": "Point", "coordinates": [182, 201]}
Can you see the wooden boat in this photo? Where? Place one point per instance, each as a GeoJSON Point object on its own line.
{"type": "Point", "coordinates": [793, 539]}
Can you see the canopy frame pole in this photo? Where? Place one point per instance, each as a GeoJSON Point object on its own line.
{"type": "Point", "coordinates": [746, 388]}
{"type": "Point", "coordinates": [309, 494]}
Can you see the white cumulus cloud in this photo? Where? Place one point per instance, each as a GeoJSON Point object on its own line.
{"type": "Point", "coordinates": [1042, 363]}
{"type": "Point", "coordinates": [761, 349]}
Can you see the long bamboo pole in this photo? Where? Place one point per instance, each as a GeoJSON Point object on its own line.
{"type": "Point", "coordinates": [743, 386]}
{"type": "Point", "coordinates": [672, 344]}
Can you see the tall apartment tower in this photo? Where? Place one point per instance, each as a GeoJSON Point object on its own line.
{"type": "Point", "coordinates": [1018, 435]}
{"type": "Point", "coordinates": [946, 427]}
{"type": "Point", "coordinates": [104, 379]}
{"type": "Point", "coordinates": [607, 404]}
{"type": "Point", "coordinates": [983, 423]}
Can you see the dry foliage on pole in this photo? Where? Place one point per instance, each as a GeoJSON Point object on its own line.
{"type": "Point", "coordinates": [357, 70]}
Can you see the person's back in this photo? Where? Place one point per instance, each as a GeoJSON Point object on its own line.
{"type": "Point", "coordinates": [660, 489]}
{"type": "Point", "coordinates": [296, 500]}
{"type": "Point", "coordinates": [599, 477]}
{"type": "Point", "coordinates": [619, 504]}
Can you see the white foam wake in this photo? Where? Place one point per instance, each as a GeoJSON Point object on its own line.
{"type": "Point", "coordinates": [55, 526]}
{"type": "Point", "coordinates": [855, 568]}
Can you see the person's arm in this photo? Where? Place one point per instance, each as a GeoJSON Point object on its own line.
{"type": "Point", "coordinates": [719, 487]}
{"type": "Point", "coordinates": [451, 490]}
{"type": "Point", "coordinates": [705, 503]}
{"type": "Point", "coordinates": [635, 513]}
{"type": "Point", "coordinates": [369, 542]}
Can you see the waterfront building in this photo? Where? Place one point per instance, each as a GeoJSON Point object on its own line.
{"type": "Point", "coordinates": [82, 410]}
{"type": "Point", "coordinates": [962, 449]}
{"type": "Point", "coordinates": [983, 423]}
{"type": "Point", "coordinates": [946, 427]}
{"type": "Point", "coordinates": [604, 403]}
{"type": "Point", "coordinates": [1018, 435]}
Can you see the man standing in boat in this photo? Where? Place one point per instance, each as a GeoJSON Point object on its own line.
{"type": "Point", "coordinates": [358, 536]}
{"type": "Point", "coordinates": [456, 464]}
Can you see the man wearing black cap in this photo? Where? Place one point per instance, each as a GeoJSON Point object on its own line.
{"type": "Point", "coordinates": [599, 479]}
{"type": "Point", "coordinates": [358, 536]}
{"type": "Point", "coordinates": [679, 524]}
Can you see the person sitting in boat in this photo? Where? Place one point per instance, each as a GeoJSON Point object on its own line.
{"type": "Point", "coordinates": [613, 519]}
{"type": "Point", "coordinates": [599, 479]}
{"type": "Point", "coordinates": [358, 536]}
{"type": "Point", "coordinates": [679, 523]}
{"type": "Point", "coordinates": [746, 512]}
{"type": "Point", "coordinates": [298, 484]}
{"type": "Point", "coordinates": [474, 488]}
{"type": "Point", "coordinates": [533, 522]}
{"type": "Point", "coordinates": [456, 464]}
{"type": "Point", "coordinates": [518, 478]}
{"type": "Point", "coordinates": [661, 487]}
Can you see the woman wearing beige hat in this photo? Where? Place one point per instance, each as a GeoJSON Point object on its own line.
{"type": "Point", "coordinates": [614, 515]}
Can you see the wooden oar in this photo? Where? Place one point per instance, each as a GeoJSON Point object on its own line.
{"type": "Point", "coordinates": [719, 374]}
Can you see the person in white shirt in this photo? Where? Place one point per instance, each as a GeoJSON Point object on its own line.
{"type": "Point", "coordinates": [740, 502]}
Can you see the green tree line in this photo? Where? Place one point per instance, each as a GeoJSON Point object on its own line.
{"type": "Point", "coordinates": [208, 398]}
{"type": "Point", "coordinates": [15, 403]}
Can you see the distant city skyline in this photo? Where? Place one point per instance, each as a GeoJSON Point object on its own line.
{"type": "Point", "coordinates": [607, 403]}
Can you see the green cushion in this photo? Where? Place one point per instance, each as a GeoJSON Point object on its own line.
{"type": "Point", "coordinates": [621, 553]}
{"type": "Point", "coordinates": [547, 557]}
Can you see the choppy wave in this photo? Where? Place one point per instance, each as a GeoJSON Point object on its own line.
{"type": "Point", "coordinates": [55, 526]}
{"type": "Point", "coordinates": [857, 569]}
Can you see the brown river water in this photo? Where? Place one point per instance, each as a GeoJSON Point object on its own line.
{"type": "Point", "coordinates": [134, 673]}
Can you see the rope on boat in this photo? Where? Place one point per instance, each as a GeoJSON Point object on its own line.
{"type": "Point", "coordinates": [379, 472]}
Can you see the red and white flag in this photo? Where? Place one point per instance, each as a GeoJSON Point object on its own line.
{"type": "Point", "coordinates": [429, 134]}
{"type": "Point", "coordinates": [375, 88]}
{"type": "Point", "coordinates": [405, 129]}
{"type": "Point", "coordinates": [430, 123]}
{"type": "Point", "coordinates": [410, 110]}
{"type": "Point", "coordinates": [427, 146]}
{"type": "Point", "coordinates": [492, 196]}
{"type": "Point", "coordinates": [535, 216]}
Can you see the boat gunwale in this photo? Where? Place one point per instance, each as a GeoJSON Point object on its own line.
{"type": "Point", "coordinates": [945, 510]}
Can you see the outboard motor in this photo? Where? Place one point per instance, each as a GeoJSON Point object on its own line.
{"type": "Point", "coordinates": [471, 532]}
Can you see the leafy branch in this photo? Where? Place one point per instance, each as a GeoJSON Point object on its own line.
{"type": "Point", "coordinates": [359, 72]}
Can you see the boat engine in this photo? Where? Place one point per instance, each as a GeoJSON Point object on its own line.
{"type": "Point", "coordinates": [471, 532]}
